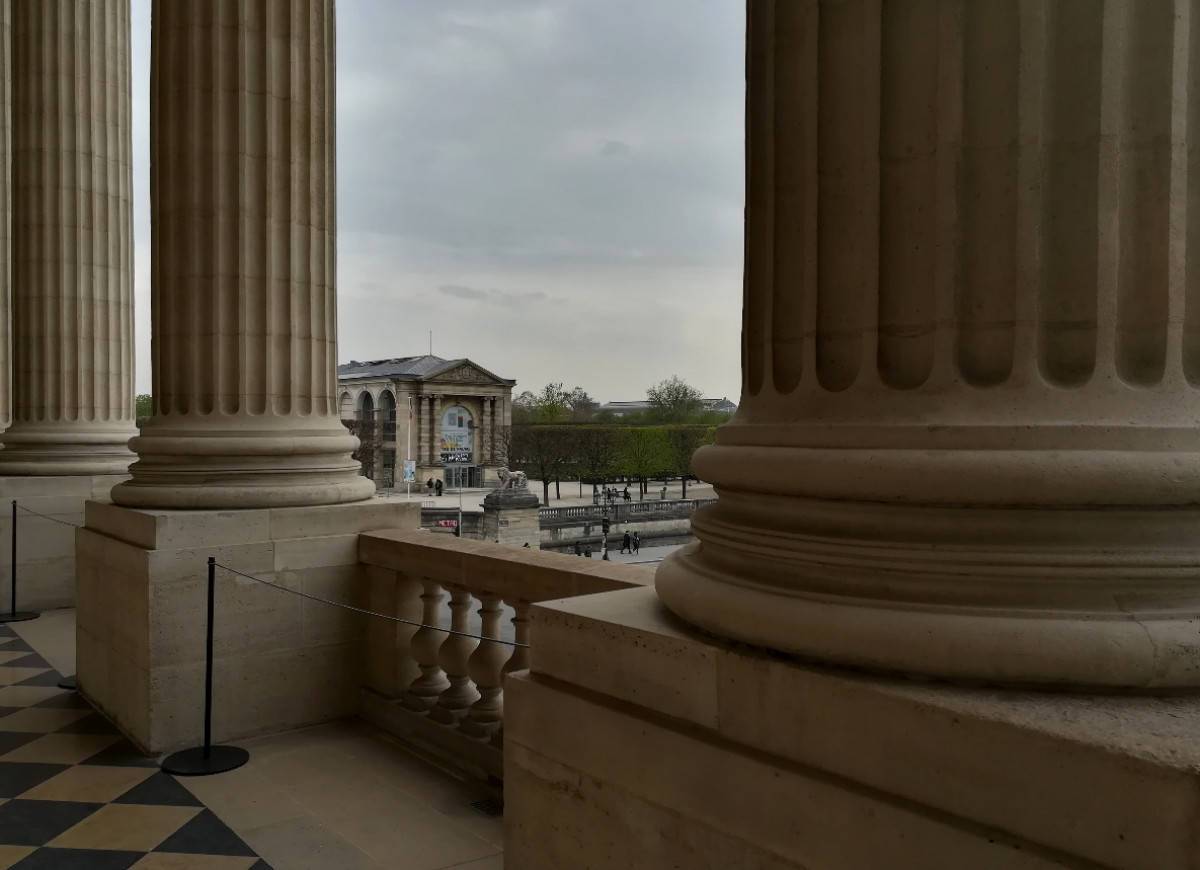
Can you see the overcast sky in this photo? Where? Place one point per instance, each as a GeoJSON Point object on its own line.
{"type": "Point", "coordinates": [554, 187]}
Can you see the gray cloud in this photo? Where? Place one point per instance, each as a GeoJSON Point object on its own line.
{"type": "Point", "coordinates": [496, 297]}
{"type": "Point", "coordinates": [572, 166]}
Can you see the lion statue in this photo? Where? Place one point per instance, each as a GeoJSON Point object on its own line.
{"type": "Point", "coordinates": [512, 479]}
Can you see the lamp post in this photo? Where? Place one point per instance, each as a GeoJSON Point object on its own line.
{"type": "Point", "coordinates": [408, 453]}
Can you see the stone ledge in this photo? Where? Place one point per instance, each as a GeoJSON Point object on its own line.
{"type": "Point", "coordinates": [1113, 779]}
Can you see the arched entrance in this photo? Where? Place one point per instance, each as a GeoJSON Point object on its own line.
{"type": "Point", "coordinates": [457, 449]}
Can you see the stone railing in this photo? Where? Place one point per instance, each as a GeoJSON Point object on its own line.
{"type": "Point", "coordinates": [622, 512]}
{"type": "Point", "coordinates": [444, 691]}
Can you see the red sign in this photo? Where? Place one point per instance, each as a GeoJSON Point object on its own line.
{"type": "Point", "coordinates": [448, 524]}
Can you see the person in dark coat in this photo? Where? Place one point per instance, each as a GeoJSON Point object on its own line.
{"type": "Point", "coordinates": [578, 549]}
{"type": "Point", "coordinates": [637, 542]}
{"type": "Point", "coordinates": [587, 552]}
{"type": "Point", "coordinates": [627, 543]}
{"type": "Point", "coordinates": [437, 486]}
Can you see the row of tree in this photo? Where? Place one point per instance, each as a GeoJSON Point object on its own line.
{"type": "Point", "coordinates": [673, 401]}
{"type": "Point", "coordinates": [602, 454]}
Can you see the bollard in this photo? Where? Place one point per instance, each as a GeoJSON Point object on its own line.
{"type": "Point", "coordinates": [207, 759]}
{"type": "Point", "coordinates": [13, 614]}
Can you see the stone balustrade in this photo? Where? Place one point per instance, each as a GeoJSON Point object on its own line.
{"type": "Point", "coordinates": [445, 692]}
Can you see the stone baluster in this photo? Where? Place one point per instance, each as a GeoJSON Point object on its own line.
{"type": "Point", "coordinates": [967, 442]}
{"type": "Point", "coordinates": [454, 654]}
{"type": "Point", "coordinates": [71, 240]}
{"type": "Point", "coordinates": [519, 660]}
{"type": "Point", "coordinates": [423, 692]}
{"type": "Point", "coordinates": [243, 286]}
{"type": "Point", "coordinates": [486, 668]}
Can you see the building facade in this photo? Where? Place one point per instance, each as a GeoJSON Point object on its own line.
{"type": "Point", "coordinates": [450, 418]}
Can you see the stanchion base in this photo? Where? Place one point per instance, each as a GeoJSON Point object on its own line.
{"type": "Point", "coordinates": [69, 684]}
{"type": "Point", "coordinates": [19, 616]}
{"type": "Point", "coordinates": [192, 762]}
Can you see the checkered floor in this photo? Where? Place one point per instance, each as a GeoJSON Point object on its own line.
{"type": "Point", "coordinates": [75, 794]}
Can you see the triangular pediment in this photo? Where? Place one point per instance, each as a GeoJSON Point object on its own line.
{"type": "Point", "coordinates": [465, 373]}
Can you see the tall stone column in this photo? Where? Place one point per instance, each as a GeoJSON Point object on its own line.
{"type": "Point", "coordinates": [71, 240]}
{"type": "Point", "coordinates": [244, 300]}
{"type": "Point", "coordinates": [5, 214]}
{"type": "Point", "coordinates": [968, 443]}
{"type": "Point", "coordinates": [435, 449]}
{"type": "Point", "coordinates": [485, 430]}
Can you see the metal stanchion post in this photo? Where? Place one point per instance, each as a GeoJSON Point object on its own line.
{"type": "Point", "coordinates": [13, 614]}
{"type": "Point", "coordinates": [207, 759]}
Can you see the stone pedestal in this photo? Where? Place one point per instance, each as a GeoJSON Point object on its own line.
{"type": "Point", "coordinates": [282, 661]}
{"type": "Point", "coordinates": [967, 442]}
{"type": "Point", "coordinates": [45, 544]}
{"type": "Point", "coordinates": [510, 516]}
{"type": "Point", "coordinates": [711, 755]}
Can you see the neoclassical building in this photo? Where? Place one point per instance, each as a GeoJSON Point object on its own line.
{"type": "Point", "coordinates": [450, 417]}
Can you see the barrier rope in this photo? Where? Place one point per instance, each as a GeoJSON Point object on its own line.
{"type": "Point", "coordinates": [365, 612]}
{"type": "Point", "coordinates": [48, 517]}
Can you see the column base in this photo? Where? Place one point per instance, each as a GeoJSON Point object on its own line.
{"type": "Point", "coordinates": [45, 547]}
{"type": "Point", "coordinates": [1037, 578]}
{"type": "Point", "coordinates": [281, 661]}
{"type": "Point", "coordinates": [820, 768]}
{"type": "Point", "coordinates": [47, 450]}
{"type": "Point", "coordinates": [221, 462]}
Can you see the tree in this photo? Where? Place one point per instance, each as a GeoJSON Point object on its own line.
{"type": "Point", "coordinates": [643, 453]}
{"type": "Point", "coordinates": [675, 400]}
{"type": "Point", "coordinates": [582, 405]}
{"type": "Point", "coordinates": [541, 452]}
{"type": "Point", "coordinates": [524, 407]}
{"type": "Point", "coordinates": [596, 452]}
{"type": "Point", "coordinates": [143, 407]}
{"type": "Point", "coordinates": [683, 442]}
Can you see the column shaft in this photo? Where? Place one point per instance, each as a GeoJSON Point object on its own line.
{"type": "Point", "coordinates": [71, 239]}
{"type": "Point", "coordinates": [244, 300]}
{"type": "Point", "coordinates": [485, 431]}
{"type": "Point", "coordinates": [436, 447]}
{"type": "Point", "coordinates": [967, 444]}
{"type": "Point", "coordinates": [5, 214]}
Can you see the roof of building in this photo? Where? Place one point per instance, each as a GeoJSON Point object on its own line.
{"type": "Point", "coordinates": [410, 368]}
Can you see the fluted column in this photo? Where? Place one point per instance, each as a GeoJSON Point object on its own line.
{"type": "Point", "coordinates": [435, 450]}
{"type": "Point", "coordinates": [5, 214]}
{"type": "Point", "coordinates": [244, 300]}
{"type": "Point", "coordinates": [71, 239]}
{"type": "Point", "coordinates": [485, 430]}
{"type": "Point", "coordinates": [968, 441]}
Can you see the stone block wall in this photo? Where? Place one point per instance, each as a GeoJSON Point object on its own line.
{"type": "Point", "coordinates": [281, 661]}
{"type": "Point", "coordinates": [45, 547]}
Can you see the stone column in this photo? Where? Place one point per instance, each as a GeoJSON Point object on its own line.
{"type": "Point", "coordinates": [485, 430]}
{"type": "Point", "coordinates": [436, 439]}
{"type": "Point", "coordinates": [71, 240]}
{"type": "Point", "coordinates": [5, 214]}
{"type": "Point", "coordinates": [968, 442]}
{"type": "Point", "coordinates": [422, 419]}
{"type": "Point", "coordinates": [243, 208]}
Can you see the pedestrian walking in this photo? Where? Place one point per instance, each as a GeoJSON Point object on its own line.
{"type": "Point", "coordinates": [578, 549]}
{"type": "Point", "coordinates": [437, 487]}
{"type": "Point", "coordinates": [627, 543]}
{"type": "Point", "coordinates": [587, 552]}
{"type": "Point", "coordinates": [637, 542]}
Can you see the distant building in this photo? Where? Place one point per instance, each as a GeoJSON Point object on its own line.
{"type": "Point", "coordinates": [450, 417]}
{"type": "Point", "coordinates": [622, 409]}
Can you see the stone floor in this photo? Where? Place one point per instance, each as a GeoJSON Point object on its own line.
{"type": "Point", "coordinates": [341, 796]}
